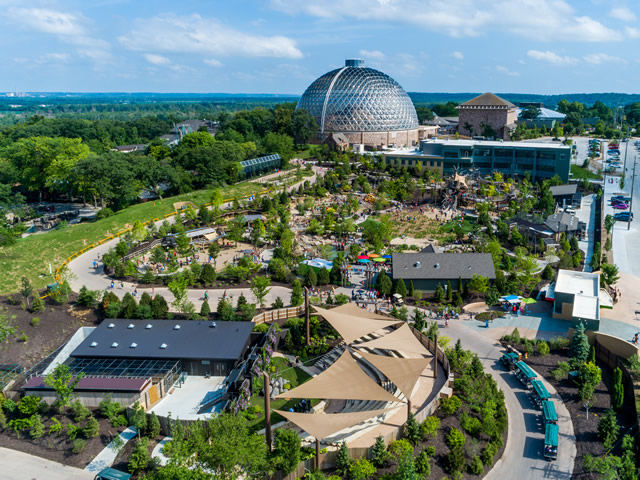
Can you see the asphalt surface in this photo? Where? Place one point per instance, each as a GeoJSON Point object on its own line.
{"type": "Point", "coordinates": [16, 465]}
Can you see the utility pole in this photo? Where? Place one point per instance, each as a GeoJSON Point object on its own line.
{"type": "Point", "coordinates": [626, 147]}
{"type": "Point", "coordinates": [633, 182]}
{"type": "Point", "coordinates": [267, 409]}
{"type": "Point", "coordinates": [306, 311]}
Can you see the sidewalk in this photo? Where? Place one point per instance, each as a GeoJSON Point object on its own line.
{"type": "Point", "coordinates": [16, 465]}
{"type": "Point", "coordinates": [108, 455]}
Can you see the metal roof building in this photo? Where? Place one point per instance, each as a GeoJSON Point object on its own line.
{"type": "Point", "coordinates": [261, 164]}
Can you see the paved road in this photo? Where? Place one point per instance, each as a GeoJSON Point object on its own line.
{"type": "Point", "coordinates": [522, 458]}
{"type": "Point", "coordinates": [16, 465]}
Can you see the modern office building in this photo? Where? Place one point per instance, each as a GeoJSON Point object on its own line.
{"type": "Point", "coordinates": [366, 105]}
{"type": "Point", "coordinates": [540, 160]}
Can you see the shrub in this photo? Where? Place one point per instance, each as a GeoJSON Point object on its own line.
{"type": "Point", "coordinates": [562, 371]}
{"type": "Point", "coordinates": [104, 213]}
{"type": "Point", "coordinates": [9, 406]}
{"type": "Point", "coordinates": [153, 426]}
{"type": "Point", "coordinates": [476, 467]}
{"type": "Point", "coordinates": [515, 336]}
{"type": "Point", "coordinates": [55, 427]}
{"type": "Point", "coordinates": [450, 405]}
{"type": "Point", "coordinates": [78, 445]}
{"type": "Point", "coordinates": [543, 348]}
{"type": "Point", "coordinates": [23, 338]}
{"type": "Point", "coordinates": [119, 421]}
{"type": "Point", "coordinates": [400, 448]}
{"type": "Point", "coordinates": [487, 454]}
{"type": "Point", "coordinates": [92, 428]}
{"type": "Point", "coordinates": [608, 429]}
{"type": "Point", "coordinates": [35, 321]}
{"type": "Point", "coordinates": [37, 305]}
{"type": "Point", "coordinates": [471, 424]}
{"type": "Point", "coordinates": [29, 405]}
{"type": "Point", "coordinates": [430, 426]}
{"type": "Point", "coordinates": [80, 412]}
{"type": "Point", "coordinates": [37, 427]}
{"type": "Point", "coordinates": [73, 431]}
{"type": "Point", "coordinates": [455, 438]}
{"type": "Point", "coordinates": [618, 389]}
{"type": "Point", "coordinates": [108, 408]}
{"type": "Point", "coordinates": [431, 450]}
{"type": "Point", "coordinates": [3, 420]}
{"type": "Point", "coordinates": [412, 429]}
{"type": "Point", "coordinates": [558, 343]}
{"type": "Point", "coordinates": [343, 461]}
{"type": "Point", "coordinates": [140, 457]}
{"type": "Point", "coordinates": [362, 469]}
{"type": "Point", "coordinates": [423, 464]}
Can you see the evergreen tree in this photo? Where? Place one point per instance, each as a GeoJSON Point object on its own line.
{"type": "Point", "coordinates": [449, 292]}
{"type": "Point", "coordinates": [208, 275]}
{"type": "Point", "coordinates": [439, 294]}
{"type": "Point", "coordinates": [310, 278]}
{"type": "Point", "coordinates": [412, 429]}
{"type": "Point", "coordinates": [383, 283]}
{"type": "Point", "coordinates": [608, 429]}
{"type": "Point", "coordinates": [618, 389]}
{"type": "Point", "coordinates": [411, 291]}
{"type": "Point", "coordinates": [592, 355]}
{"type": "Point", "coordinates": [205, 310]}
{"type": "Point", "coordinates": [129, 306]}
{"type": "Point", "coordinates": [460, 287]}
{"type": "Point", "coordinates": [343, 461]}
{"type": "Point", "coordinates": [400, 288]}
{"type": "Point", "coordinates": [465, 290]}
{"type": "Point", "coordinates": [407, 468]}
{"type": "Point", "coordinates": [579, 347]}
{"type": "Point", "coordinates": [323, 276]}
{"type": "Point", "coordinates": [296, 293]}
{"type": "Point", "coordinates": [379, 454]}
{"type": "Point", "coordinates": [159, 307]}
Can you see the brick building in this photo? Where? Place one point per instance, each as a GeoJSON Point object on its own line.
{"type": "Point", "coordinates": [489, 116]}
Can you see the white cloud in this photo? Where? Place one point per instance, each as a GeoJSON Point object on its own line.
{"type": "Point", "coordinates": [372, 54]}
{"type": "Point", "coordinates": [551, 57]}
{"type": "Point", "coordinates": [632, 32]}
{"type": "Point", "coordinates": [212, 62]}
{"type": "Point", "coordinates": [157, 59]}
{"type": "Point", "coordinates": [598, 58]}
{"type": "Point", "coordinates": [458, 55]}
{"type": "Point", "coordinates": [47, 21]}
{"type": "Point", "coordinates": [538, 19]}
{"type": "Point", "coordinates": [623, 13]}
{"type": "Point", "coordinates": [195, 34]}
{"type": "Point", "coordinates": [506, 71]}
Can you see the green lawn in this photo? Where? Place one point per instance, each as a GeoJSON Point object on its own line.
{"type": "Point", "coordinates": [467, 226]}
{"type": "Point", "coordinates": [31, 256]}
{"type": "Point", "coordinates": [582, 173]}
{"type": "Point", "coordinates": [296, 377]}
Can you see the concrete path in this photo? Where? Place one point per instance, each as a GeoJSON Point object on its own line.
{"type": "Point", "coordinates": [158, 451]}
{"type": "Point", "coordinates": [108, 455]}
{"type": "Point", "coordinates": [523, 455]}
{"type": "Point", "coordinates": [16, 465]}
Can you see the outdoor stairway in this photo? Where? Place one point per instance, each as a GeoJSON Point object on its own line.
{"type": "Point", "coordinates": [330, 357]}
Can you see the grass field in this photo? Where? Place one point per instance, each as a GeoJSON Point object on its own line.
{"type": "Point", "coordinates": [581, 173]}
{"type": "Point", "coordinates": [31, 256]}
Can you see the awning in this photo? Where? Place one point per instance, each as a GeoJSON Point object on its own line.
{"type": "Point", "coordinates": [402, 340]}
{"type": "Point", "coordinates": [404, 372]}
{"type": "Point", "coordinates": [351, 327]}
{"type": "Point", "coordinates": [322, 425]}
{"type": "Point", "coordinates": [343, 380]}
{"type": "Point", "coordinates": [354, 310]}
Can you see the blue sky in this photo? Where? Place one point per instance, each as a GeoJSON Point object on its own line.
{"type": "Point", "coordinates": [280, 46]}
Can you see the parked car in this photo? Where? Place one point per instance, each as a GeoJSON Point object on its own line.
{"type": "Point", "coordinates": [620, 206]}
{"type": "Point", "coordinates": [621, 197]}
{"type": "Point", "coordinates": [624, 216]}
{"type": "Point", "coordinates": [618, 202]}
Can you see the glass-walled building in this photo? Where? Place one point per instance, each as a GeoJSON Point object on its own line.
{"type": "Point", "coordinates": [540, 160]}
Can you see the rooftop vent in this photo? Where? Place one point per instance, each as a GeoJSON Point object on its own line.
{"type": "Point", "coordinates": [417, 264]}
{"type": "Point", "coordinates": [131, 325]}
{"type": "Point", "coordinates": [94, 344]}
{"type": "Point", "coordinates": [148, 326]}
{"type": "Point", "coordinates": [212, 325]}
{"type": "Point", "coordinates": [133, 345]}
{"type": "Point", "coordinates": [437, 265]}
{"type": "Point", "coordinates": [163, 346]}
{"type": "Point", "coordinates": [176, 327]}
{"type": "Point", "coordinates": [111, 325]}
{"type": "Point", "coordinates": [114, 344]}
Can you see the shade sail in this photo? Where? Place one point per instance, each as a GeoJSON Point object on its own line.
{"type": "Point", "coordinates": [351, 327]}
{"type": "Point", "coordinates": [402, 340]}
{"type": "Point", "coordinates": [343, 380]}
{"type": "Point", "coordinates": [353, 309]}
{"type": "Point", "coordinates": [322, 425]}
{"type": "Point", "coordinates": [404, 372]}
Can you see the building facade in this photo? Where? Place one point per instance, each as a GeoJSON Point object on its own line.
{"type": "Point", "coordinates": [487, 115]}
{"type": "Point", "coordinates": [576, 298]}
{"type": "Point", "coordinates": [539, 160]}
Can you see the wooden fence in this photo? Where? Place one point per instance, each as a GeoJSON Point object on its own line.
{"type": "Point", "coordinates": [631, 391]}
{"type": "Point", "coordinates": [279, 314]}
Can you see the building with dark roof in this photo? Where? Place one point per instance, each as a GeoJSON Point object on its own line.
{"type": "Point", "coordinates": [487, 115]}
{"type": "Point", "coordinates": [563, 222]}
{"type": "Point", "coordinates": [428, 270]}
{"type": "Point", "coordinates": [200, 347]}
{"type": "Point", "coordinates": [566, 195]}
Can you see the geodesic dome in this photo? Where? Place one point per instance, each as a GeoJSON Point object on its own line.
{"type": "Point", "coordinates": [356, 98]}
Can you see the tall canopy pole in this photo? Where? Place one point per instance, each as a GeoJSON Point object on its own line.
{"type": "Point", "coordinates": [267, 409]}
{"type": "Point", "coordinates": [317, 454]}
{"type": "Point", "coordinates": [435, 357]}
{"type": "Point", "coordinates": [306, 310]}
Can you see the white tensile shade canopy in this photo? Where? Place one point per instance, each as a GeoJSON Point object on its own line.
{"type": "Point", "coordinates": [322, 425]}
{"type": "Point", "coordinates": [404, 372]}
{"type": "Point", "coordinates": [401, 340]}
{"type": "Point", "coordinates": [351, 327]}
{"type": "Point", "coordinates": [354, 310]}
{"type": "Point", "coordinates": [343, 380]}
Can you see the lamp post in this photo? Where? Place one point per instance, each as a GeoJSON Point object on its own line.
{"type": "Point", "coordinates": [344, 269]}
{"type": "Point", "coordinates": [633, 182]}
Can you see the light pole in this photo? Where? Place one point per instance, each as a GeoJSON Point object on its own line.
{"type": "Point", "coordinates": [633, 182]}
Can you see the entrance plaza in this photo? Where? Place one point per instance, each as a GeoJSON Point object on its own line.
{"type": "Point", "coordinates": [184, 400]}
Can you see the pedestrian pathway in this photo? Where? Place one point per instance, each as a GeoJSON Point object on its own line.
{"type": "Point", "coordinates": [108, 455]}
{"type": "Point", "coordinates": [158, 451]}
{"type": "Point", "coordinates": [16, 465]}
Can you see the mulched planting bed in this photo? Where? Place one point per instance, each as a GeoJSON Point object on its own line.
{"type": "Point", "coordinates": [585, 430]}
{"type": "Point", "coordinates": [57, 447]}
{"type": "Point", "coordinates": [57, 324]}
